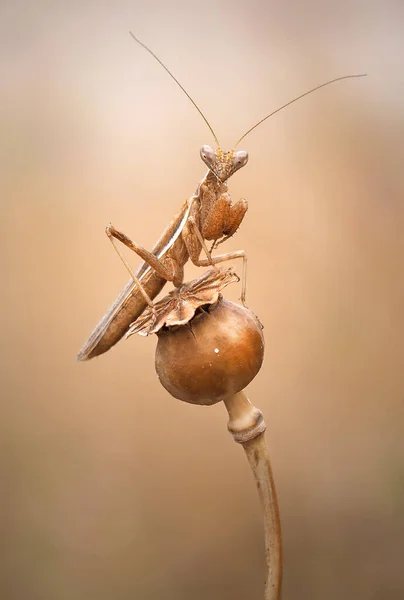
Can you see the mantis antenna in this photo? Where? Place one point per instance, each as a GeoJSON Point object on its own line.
{"type": "Point", "coordinates": [298, 98]}
{"type": "Point", "coordinates": [178, 83]}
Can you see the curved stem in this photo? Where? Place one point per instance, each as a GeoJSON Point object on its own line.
{"type": "Point", "coordinates": [247, 426]}
{"type": "Point", "coordinates": [258, 456]}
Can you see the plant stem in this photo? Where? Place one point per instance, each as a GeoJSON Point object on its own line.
{"type": "Point", "coordinates": [247, 426]}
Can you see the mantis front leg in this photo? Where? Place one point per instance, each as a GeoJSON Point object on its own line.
{"type": "Point", "coordinates": [223, 218]}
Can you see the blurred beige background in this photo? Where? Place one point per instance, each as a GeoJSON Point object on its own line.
{"type": "Point", "coordinates": [113, 490]}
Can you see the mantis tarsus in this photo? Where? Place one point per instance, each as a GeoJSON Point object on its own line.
{"type": "Point", "coordinates": [208, 215]}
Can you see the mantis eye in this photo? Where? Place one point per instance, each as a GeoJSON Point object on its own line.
{"type": "Point", "coordinates": [240, 159]}
{"type": "Point", "coordinates": [208, 156]}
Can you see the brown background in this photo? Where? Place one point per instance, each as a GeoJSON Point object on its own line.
{"type": "Point", "coordinates": [112, 489]}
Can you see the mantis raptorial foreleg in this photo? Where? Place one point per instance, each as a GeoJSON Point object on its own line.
{"type": "Point", "coordinates": [232, 220]}
{"type": "Point", "coordinates": [224, 218]}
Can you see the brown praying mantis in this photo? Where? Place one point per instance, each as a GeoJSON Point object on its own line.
{"type": "Point", "coordinates": [208, 215]}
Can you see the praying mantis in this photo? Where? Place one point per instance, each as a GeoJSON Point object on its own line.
{"type": "Point", "coordinates": [208, 215]}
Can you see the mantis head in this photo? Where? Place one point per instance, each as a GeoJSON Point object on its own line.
{"type": "Point", "coordinates": [223, 164]}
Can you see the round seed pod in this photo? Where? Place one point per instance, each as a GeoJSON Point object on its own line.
{"type": "Point", "coordinates": [213, 356]}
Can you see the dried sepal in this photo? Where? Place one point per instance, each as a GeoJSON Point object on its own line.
{"type": "Point", "coordinates": [180, 305]}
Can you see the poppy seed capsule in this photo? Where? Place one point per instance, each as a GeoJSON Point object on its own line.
{"type": "Point", "coordinates": [213, 356]}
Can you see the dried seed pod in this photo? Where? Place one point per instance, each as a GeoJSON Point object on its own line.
{"type": "Point", "coordinates": [213, 356]}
